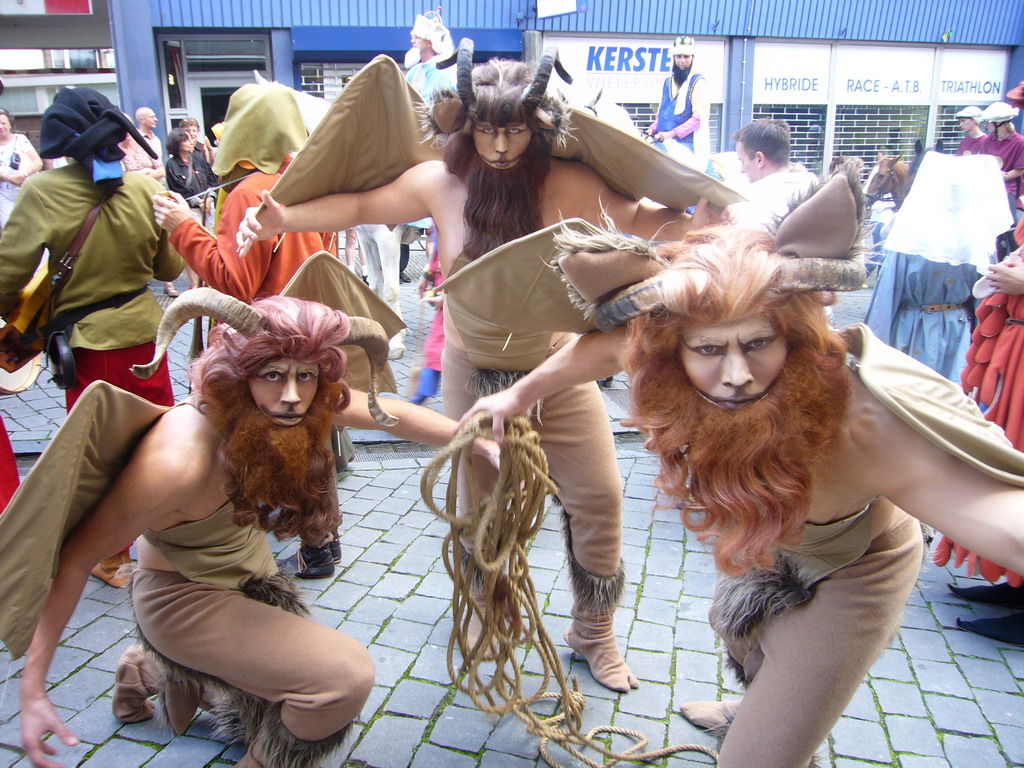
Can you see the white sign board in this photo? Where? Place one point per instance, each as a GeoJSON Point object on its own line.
{"type": "Point", "coordinates": [632, 70]}
{"type": "Point", "coordinates": [790, 73]}
{"type": "Point", "coordinates": [547, 8]}
{"type": "Point", "coordinates": [869, 74]}
{"type": "Point", "coordinates": [971, 76]}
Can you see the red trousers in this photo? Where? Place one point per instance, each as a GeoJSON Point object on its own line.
{"type": "Point", "coordinates": [113, 366]}
{"type": "Point", "coordinates": [8, 469]}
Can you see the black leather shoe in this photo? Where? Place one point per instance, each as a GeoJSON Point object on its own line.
{"type": "Point", "coordinates": [996, 594]}
{"type": "Point", "coordinates": [309, 562]}
{"type": "Point", "coordinates": [1005, 629]}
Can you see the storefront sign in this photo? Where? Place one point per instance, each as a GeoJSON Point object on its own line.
{"type": "Point", "coordinates": [869, 74]}
{"type": "Point", "coordinates": [790, 73]}
{"type": "Point", "coordinates": [41, 7]}
{"type": "Point", "coordinates": [631, 70]}
{"type": "Point", "coordinates": [971, 76]}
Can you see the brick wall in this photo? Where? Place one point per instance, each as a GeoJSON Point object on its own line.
{"type": "Point", "coordinates": [807, 130]}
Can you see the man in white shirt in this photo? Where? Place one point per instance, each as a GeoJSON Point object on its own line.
{"type": "Point", "coordinates": [762, 148]}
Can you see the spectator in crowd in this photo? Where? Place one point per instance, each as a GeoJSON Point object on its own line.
{"type": "Point", "coordinates": [191, 125]}
{"type": "Point", "coordinates": [682, 127]}
{"type": "Point", "coordinates": [18, 161]}
{"type": "Point", "coordinates": [967, 118]}
{"type": "Point", "coordinates": [188, 173]}
{"type": "Point", "coordinates": [110, 313]}
{"type": "Point", "coordinates": [137, 159]}
{"type": "Point", "coordinates": [763, 149]}
{"type": "Point", "coordinates": [1003, 141]}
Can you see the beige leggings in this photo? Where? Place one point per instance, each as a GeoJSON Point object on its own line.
{"type": "Point", "coordinates": [575, 436]}
{"type": "Point", "coordinates": [321, 676]}
{"type": "Point", "coordinates": [815, 656]}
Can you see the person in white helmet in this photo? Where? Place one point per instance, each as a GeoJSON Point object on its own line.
{"type": "Point", "coordinates": [974, 137]}
{"type": "Point", "coordinates": [1007, 144]}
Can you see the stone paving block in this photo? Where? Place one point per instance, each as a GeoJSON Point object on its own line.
{"type": "Point", "coordinates": [899, 698]}
{"type": "Point", "coordinates": [635, 537]}
{"type": "Point", "coordinates": [956, 715]}
{"type": "Point", "coordinates": [461, 728]}
{"type": "Point", "coordinates": [360, 630]}
{"type": "Point", "coordinates": [916, 761]}
{"type": "Point", "coordinates": [8, 757]}
{"type": "Point", "coordinates": [1002, 708]}
{"type": "Point", "coordinates": [96, 723]}
{"type": "Point", "coordinates": [65, 662]}
{"type": "Point", "coordinates": [342, 595]}
{"type": "Point", "coordinates": [988, 675]}
{"type": "Point", "coordinates": [81, 689]}
{"type": "Point", "coordinates": [503, 760]}
{"type": "Point", "coordinates": [425, 610]}
{"type": "Point", "coordinates": [364, 574]}
{"type": "Point", "coordinates": [699, 584]}
{"type": "Point", "coordinates": [701, 667]}
{"type": "Point", "coordinates": [690, 690]}
{"type": "Point", "coordinates": [373, 610]}
{"type": "Point", "coordinates": [185, 752]}
{"type": "Point", "coordinates": [969, 644]}
{"type": "Point", "coordinates": [396, 586]}
{"type": "Point", "coordinates": [656, 611]}
{"type": "Point", "coordinates": [70, 755]}
{"type": "Point", "coordinates": [405, 635]}
{"type": "Point", "coordinates": [373, 703]}
{"type": "Point", "coordinates": [86, 612]}
{"type": "Point", "coordinates": [399, 502]}
{"type": "Point", "coordinates": [913, 734]}
{"type": "Point", "coordinates": [359, 538]}
{"type": "Point", "coordinates": [922, 644]}
{"type": "Point", "coordinates": [391, 663]}
{"type": "Point", "coordinates": [382, 553]}
{"type": "Point", "coordinates": [860, 739]}
{"type": "Point", "coordinates": [100, 634]}
{"type": "Point", "coordinates": [663, 588]}
{"type": "Point", "coordinates": [919, 617]}
{"type": "Point", "coordinates": [510, 736]}
{"type": "Point", "coordinates": [938, 677]}
{"type": "Point", "coordinates": [650, 637]}
{"type": "Point", "coordinates": [962, 752]}
{"type": "Point", "coordinates": [401, 535]}
{"type": "Point", "coordinates": [153, 731]}
{"type": "Point", "coordinates": [656, 731]}
{"type": "Point", "coordinates": [1011, 742]}
{"type": "Point", "coordinates": [390, 742]}
{"type": "Point", "coordinates": [862, 705]}
{"type": "Point", "coordinates": [413, 698]}
{"type": "Point", "coordinates": [1014, 660]}
{"type": "Point", "coordinates": [892, 665]}
{"type": "Point", "coordinates": [682, 731]}
{"type": "Point", "coordinates": [649, 700]}
{"type": "Point", "coordinates": [119, 753]}
{"type": "Point", "coordinates": [429, 756]}
{"type": "Point", "coordinates": [380, 520]}
{"type": "Point", "coordinates": [432, 664]}
{"type": "Point", "coordinates": [647, 665]}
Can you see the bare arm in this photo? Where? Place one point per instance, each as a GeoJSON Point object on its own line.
{"type": "Point", "coordinates": [972, 508]}
{"type": "Point", "coordinates": [140, 498]}
{"type": "Point", "coordinates": [30, 163]}
{"type": "Point", "coordinates": [407, 198]}
{"type": "Point", "coordinates": [586, 358]}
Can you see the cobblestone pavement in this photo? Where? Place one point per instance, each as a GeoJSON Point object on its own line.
{"type": "Point", "coordinates": [937, 698]}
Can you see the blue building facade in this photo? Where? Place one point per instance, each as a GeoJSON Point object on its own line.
{"type": "Point", "coordinates": [851, 76]}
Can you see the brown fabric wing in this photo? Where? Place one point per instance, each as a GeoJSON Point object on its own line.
{"type": "Point", "coordinates": [370, 135]}
{"type": "Point", "coordinates": [634, 168]}
{"type": "Point", "coordinates": [322, 277]}
{"type": "Point", "coordinates": [70, 477]}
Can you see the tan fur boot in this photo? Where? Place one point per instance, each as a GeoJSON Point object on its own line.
{"type": "Point", "coordinates": [592, 636]}
{"type": "Point", "coordinates": [108, 568]}
{"type": "Point", "coordinates": [137, 679]}
{"type": "Point", "coordinates": [715, 716]}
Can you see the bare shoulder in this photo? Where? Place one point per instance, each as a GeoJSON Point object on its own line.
{"type": "Point", "coordinates": [182, 445]}
{"type": "Point", "coordinates": [430, 171]}
{"type": "Point", "coordinates": [572, 171]}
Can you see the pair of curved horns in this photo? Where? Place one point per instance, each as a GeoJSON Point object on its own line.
{"type": "Point", "coordinates": [202, 302]}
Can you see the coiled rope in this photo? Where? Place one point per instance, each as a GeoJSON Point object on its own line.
{"type": "Point", "coordinates": [501, 525]}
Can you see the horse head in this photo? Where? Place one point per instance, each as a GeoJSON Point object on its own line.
{"type": "Point", "coordinates": [891, 177]}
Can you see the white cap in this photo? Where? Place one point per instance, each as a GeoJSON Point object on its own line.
{"type": "Point", "coordinates": [999, 112]}
{"type": "Point", "coordinates": [682, 45]}
{"type": "Point", "coordinates": [972, 112]}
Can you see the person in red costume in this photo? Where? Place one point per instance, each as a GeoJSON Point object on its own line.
{"type": "Point", "coordinates": [8, 468]}
{"type": "Point", "coordinates": [262, 131]}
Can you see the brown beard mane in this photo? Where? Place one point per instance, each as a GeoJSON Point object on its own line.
{"type": "Point", "coordinates": [744, 476]}
{"type": "Point", "coordinates": [280, 479]}
{"type": "Point", "coordinates": [501, 205]}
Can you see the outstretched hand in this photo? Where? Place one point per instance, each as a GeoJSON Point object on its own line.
{"type": "Point", "coordinates": [39, 719]}
{"type": "Point", "coordinates": [170, 210]}
{"type": "Point", "coordinates": [268, 224]}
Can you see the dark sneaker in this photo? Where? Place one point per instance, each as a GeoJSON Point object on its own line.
{"type": "Point", "coordinates": [1005, 629]}
{"type": "Point", "coordinates": [997, 594]}
{"type": "Point", "coordinates": [309, 563]}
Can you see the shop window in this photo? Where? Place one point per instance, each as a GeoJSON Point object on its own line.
{"type": "Point", "coordinates": [226, 55]}
{"type": "Point", "coordinates": [866, 130]}
{"type": "Point", "coordinates": [174, 72]}
{"type": "Point", "coordinates": [947, 128]}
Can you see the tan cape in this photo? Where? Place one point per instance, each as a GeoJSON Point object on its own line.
{"type": "Point", "coordinates": [97, 439]}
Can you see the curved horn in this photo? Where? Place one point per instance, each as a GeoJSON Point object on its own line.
{"type": "Point", "coordinates": [631, 302]}
{"type": "Point", "coordinates": [370, 335]}
{"type": "Point", "coordinates": [464, 73]}
{"type": "Point", "coordinates": [200, 302]}
{"type": "Point", "coordinates": [536, 90]}
{"type": "Point", "coordinates": [817, 274]}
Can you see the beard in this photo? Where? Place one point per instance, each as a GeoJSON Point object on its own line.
{"type": "Point", "coordinates": [280, 479]}
{"type": "Point", "coordinates": [501, 205]}
{"type": "Point", "coordinates": [745, 475]}
{"type": "Point", "coordinates": [679, 75]}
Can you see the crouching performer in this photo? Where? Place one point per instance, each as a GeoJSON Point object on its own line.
{"type": "Point", "coordinates": [245, 455]}
{"type": "Point", "coordinates": [803, 454]}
